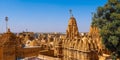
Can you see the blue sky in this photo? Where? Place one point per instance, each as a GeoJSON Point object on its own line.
{"type": "Point", "coordinates": [47, 15]}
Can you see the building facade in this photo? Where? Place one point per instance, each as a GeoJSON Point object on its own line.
{"type": "Point", "coordinates": [78, 46]}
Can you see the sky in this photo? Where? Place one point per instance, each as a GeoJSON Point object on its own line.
{"type": "Point", "coordinates": [46, 15]}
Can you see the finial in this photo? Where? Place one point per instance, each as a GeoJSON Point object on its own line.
{"type": "Point", "coordinates": [6, 19]}
{"type": "Point", "coordinates": [71, 13]}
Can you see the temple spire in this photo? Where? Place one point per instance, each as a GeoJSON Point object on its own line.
{"type": "Point", "coordinates": [72, 30]}
{"type": "Point", "coordinates": [6, 19]}
{"type": "Point", "coordinates": [71, 15]}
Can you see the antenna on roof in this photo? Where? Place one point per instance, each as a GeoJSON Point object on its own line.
{"type": "Point", "coordinates": [71, 13]}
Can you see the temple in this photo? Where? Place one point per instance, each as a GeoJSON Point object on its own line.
{"type": "Point", "coordinates": [71, 45]}
{"type": "Point", "coordinates": [79, 46]}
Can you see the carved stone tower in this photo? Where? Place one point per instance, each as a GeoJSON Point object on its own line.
{"type": "Point", "coordinates": [72, 30]}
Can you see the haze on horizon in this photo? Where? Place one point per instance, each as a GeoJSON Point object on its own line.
{"type": "Point", "coordinates": [46, 15]}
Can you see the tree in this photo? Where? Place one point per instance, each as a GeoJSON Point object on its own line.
{"type": "Point", "coordinates": [107, 19]}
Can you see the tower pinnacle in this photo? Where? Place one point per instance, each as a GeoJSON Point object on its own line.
{"type": "Point", "coordinates": [72, 30]}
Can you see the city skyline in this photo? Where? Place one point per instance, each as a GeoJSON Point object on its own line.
{"type": "Point", "coordinates": [46, 15]}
